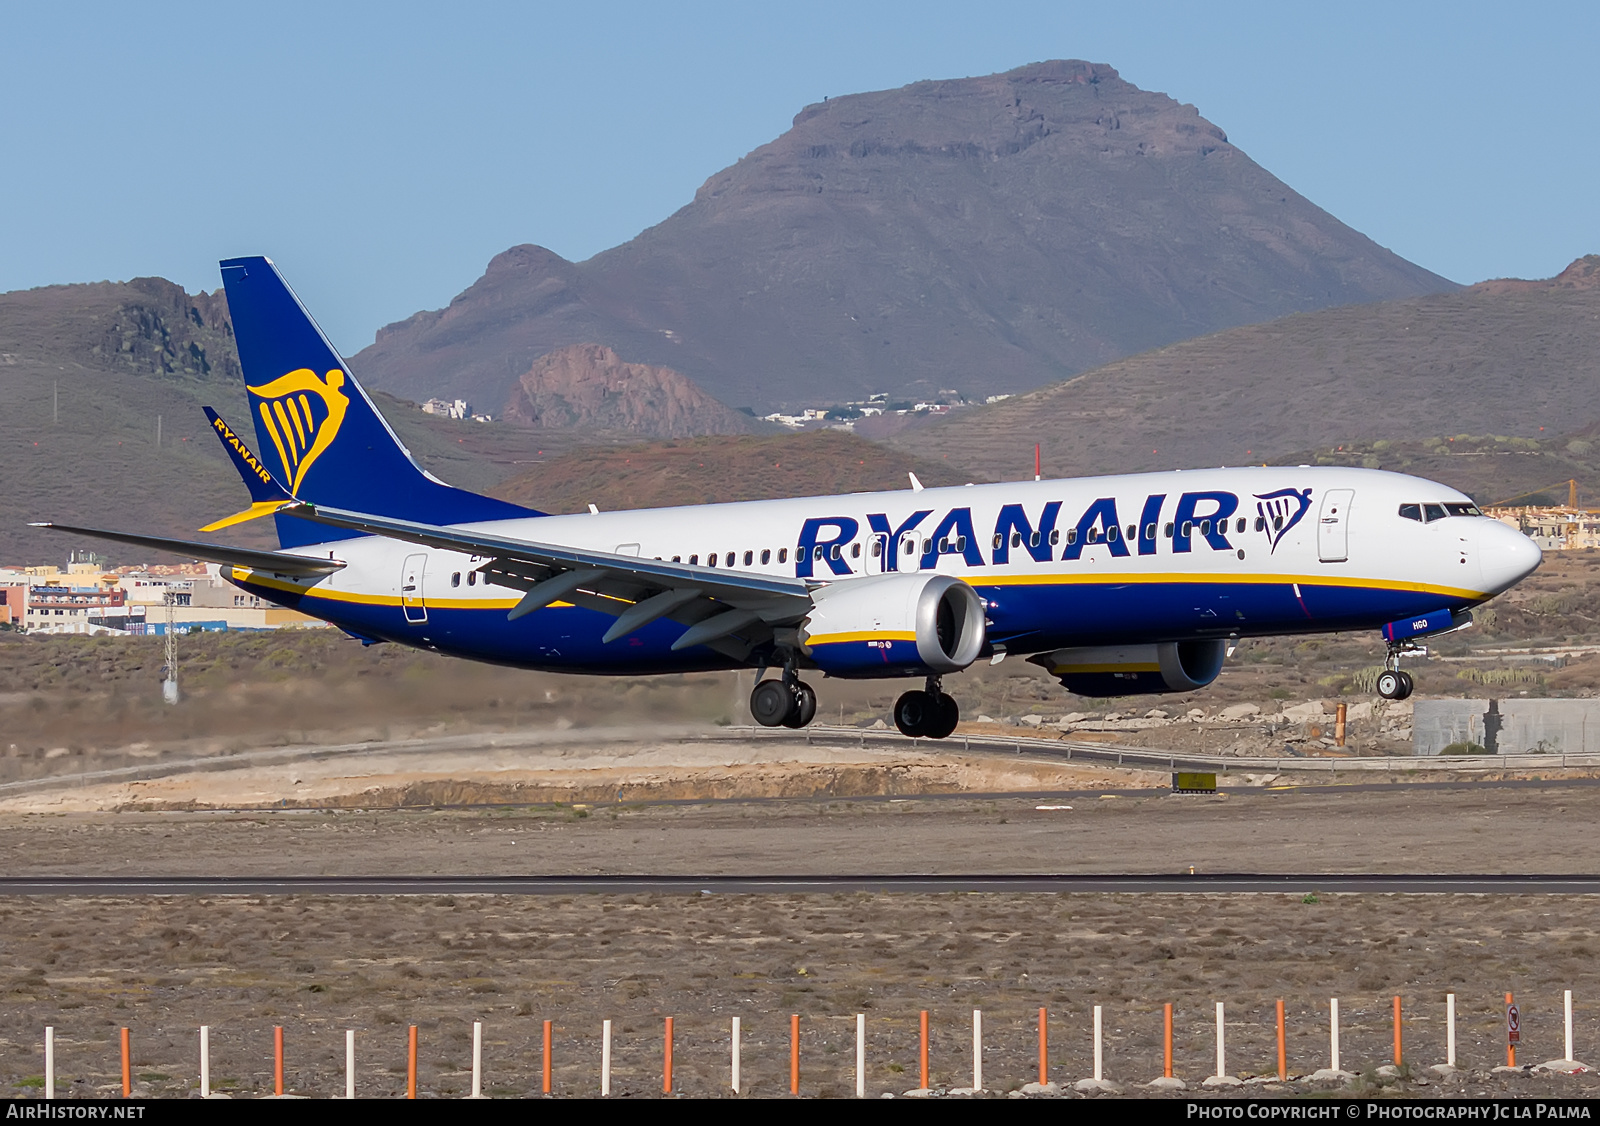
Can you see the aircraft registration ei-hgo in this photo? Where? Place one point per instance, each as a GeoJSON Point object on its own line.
{"type": "Point", "coordinates": [1117, 585]}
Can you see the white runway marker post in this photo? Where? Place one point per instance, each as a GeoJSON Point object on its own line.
{"type": "Point", "coordinates": [605, 1058]}
{"type": "Point", "coordinates": [734, 1081]}
{"type": "Point", "coordinates": [1333, 1032]}
{"type": "Point", "coordinates": [1450, 1029]}
{"type": "Point", "coordinates": [50, 1060]}
{"type": "Point", "coordinates": [1566, 1004]}
{"type": "Point", "coordinates": [205, 1061]}
{"type": "Point", "coordinates": [1222, 1056]}
{"type": "Point", "coordinates": [861, 1055]}
{"type": "Point", "coordinates": [477, 1060]}
{"type": "Point", "coordinates": [977, 1049]}
{"type": "Point", "coordinates": [349, 1063]}
{"type": "Point", "coordinates": [1098, 1058]}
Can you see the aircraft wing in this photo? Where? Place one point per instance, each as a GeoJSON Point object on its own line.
{"type": "Point", "coordinates": [730, 611]}
{"type": "Point", "coordinates": [275, 562]}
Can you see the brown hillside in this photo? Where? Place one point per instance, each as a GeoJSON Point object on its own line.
{"type": "Point", "coordinates": [117, 357]}
{"type": "Point", "coordinates": [588, 386]}
{"type": "Point", "coordinates": [1506, 361]}
{"type": "Point", "coordinates": [714, 470]}
{"type": "Point", "coordinates": [982, 234]}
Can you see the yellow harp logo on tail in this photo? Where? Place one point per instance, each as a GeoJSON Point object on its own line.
{"type": "Point", "coordinates": [302, 414]}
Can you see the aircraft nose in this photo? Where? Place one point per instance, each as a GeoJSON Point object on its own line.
{"type": "Point", "coordinates": [1506, 554]}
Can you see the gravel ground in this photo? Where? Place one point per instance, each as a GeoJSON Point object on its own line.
{"type": "Point", "coordinates": [316, 966]}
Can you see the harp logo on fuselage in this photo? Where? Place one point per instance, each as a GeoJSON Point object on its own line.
{"type": "Point", "coordinates": [301, 412]}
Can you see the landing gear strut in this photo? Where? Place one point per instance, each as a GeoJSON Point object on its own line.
{"type": "Point", "coordinates": [789, 702]}
{"type": "Point", "coordinates": [1394, 684]}
{"type": "Point", "coordinates": [928, 714]}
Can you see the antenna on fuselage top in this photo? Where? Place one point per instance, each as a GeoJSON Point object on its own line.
{"type": "Point", "coordinates": [1036, 461]}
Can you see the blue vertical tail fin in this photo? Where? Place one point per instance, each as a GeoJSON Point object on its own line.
{"type": "Point", "coordinates": [315, 427]}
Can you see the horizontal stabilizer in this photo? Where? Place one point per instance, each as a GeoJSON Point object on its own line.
{"type": "Point", "coordinates": [275, 562]}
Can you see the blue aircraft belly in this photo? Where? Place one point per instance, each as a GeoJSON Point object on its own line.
{"type": "Point", "coordinates": [1039, 615]}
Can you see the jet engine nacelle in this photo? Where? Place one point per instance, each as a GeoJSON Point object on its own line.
{"type": "Point", "coordinates": [894, 625]}
{"type": "Point", "coordinates": [1135, 670]}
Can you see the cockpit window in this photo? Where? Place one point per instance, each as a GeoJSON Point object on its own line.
{"type": "Point", "coordinates": [1432, 512]}
{"type": "Point", "coordinates": [1411, 512]}
{"type": "Point", "coordinates": [1459, 509]}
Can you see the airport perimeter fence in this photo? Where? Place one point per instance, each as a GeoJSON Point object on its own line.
{"type": "Point", "coordinates": [1099, 1080]}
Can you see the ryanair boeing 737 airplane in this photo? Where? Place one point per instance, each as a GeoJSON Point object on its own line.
{"type": "Point", "coordinates": [1116, 585]}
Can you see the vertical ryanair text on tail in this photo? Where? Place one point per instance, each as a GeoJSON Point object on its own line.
{"type": "Point", "coordinates": [1116, 585]}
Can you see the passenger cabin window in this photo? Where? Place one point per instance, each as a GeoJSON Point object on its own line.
{"type": "Point", "coordinates": [1111, 534]}
{"type": "Point", "coordinates": [729, 560]}
{"type": "Point", "coordinates": [1261, 523]}
{"type": "Point", "coordinates": [748, 557]}
{"type": "Point", "coordinates": [1149, 531]}
{"type": "Point", "coordinates": [1072, 536]}
{"type": "Point", "coordinates": [855, 551]}
{"type": "Point", "coordinates": [1277, 523]}
{"type": "Point", "coordinates": [1205, 527]}
{"type": "Point", "coordinates": [472, 578]}
{"type": "Point", "coordinates": [1411, 512]}
{"type": "Point", "coordinates": [711, 559]}
{"type": "Point", "coordinates": [1239, 527]}
{"type": "Point", "coordinates": [694, 560]}
{"type": "Point", "coordinates": [1055, 537]}
{"type": "Point", "coordinates": [783, 555]}
{"type": "Point", "coordinates": [455, 579]}
{"type": "Point", "coordinates": [1168, 530]}
{"type": "Point", "coordinates": [766, 556]}
{"type": "Point", "coordinates": [1432, 512]}
{"type": "Point", "coordinates": [877, 548]}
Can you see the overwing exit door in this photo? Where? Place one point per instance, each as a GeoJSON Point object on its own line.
{"type": "Point", "coordinates": [1333, 526]}
{"type": "Point", "coordinates": [411, 601]}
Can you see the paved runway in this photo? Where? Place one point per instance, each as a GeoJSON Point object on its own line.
{"type": "Point", "coordinates": [770, 885]}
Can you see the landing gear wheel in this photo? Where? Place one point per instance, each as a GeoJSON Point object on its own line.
{"type": "Point", "coordinates": [914, 713]}
{"type": "Point", "coordinates": [946, 715]}
{"type": "Point", "coordinates": [1391, 686]}
{"type": "Point", "coordinates": [1407, 686]}
{"type": "Point", "coordinates": [803, 705]}
{"type": "Point", "coordinates": [770, 702]}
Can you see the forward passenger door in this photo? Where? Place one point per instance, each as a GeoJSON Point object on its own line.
{"type": "Point", "coordinates": [1333, 526]}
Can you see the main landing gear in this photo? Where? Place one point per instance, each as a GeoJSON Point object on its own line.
{"type": "Point", "coordinates": [928, 714]}
{"type": "Point", "coordinates": [1393, 684]}
{"type": "Point", "coordinates": [783, 703]}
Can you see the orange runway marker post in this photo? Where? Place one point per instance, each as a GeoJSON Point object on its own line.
{"type": "Point", "coordinates": [547, 1031]}
{"type": "Point", "coordinates": [277, 1060]}
{"type": "Point", "coordinates": [1283, 1055]}
{"type": "Point", "coordinates": [411, 1063]}
{"type": "Point", "coordinates": [1044, 1048]}
{"type": "Point", "coordinates": [666, 1067]}
{"type": "Point", "coordinates": [794, 1053]}
{"type": "Point", "coordinates": [1166, 1042]}
{"type": "Point", "coordinates": [1513, 1031]}
{"type": "Point", "coordinates": [127, 1068]}
{"type": "Point", "coordinates": [1397, 1030]}
{"type": "Point", "coordinates": [923, 1050]}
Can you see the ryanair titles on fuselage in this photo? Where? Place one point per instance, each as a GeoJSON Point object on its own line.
{"type": "Point", "coordinates": [1208, 516]}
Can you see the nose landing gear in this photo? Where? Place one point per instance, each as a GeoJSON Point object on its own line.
{"type": "Point", "coordinates": [1393, 684]}
{"type": "Point", "coordinates": [928, 714]}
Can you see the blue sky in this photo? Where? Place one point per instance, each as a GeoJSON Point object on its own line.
{"type": "Point", "coordinates": [381, 154]}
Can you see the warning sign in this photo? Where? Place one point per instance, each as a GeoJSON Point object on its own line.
{"type": "Point", "coordinates": [1513, 1025]}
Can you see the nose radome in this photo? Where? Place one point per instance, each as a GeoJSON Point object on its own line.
{"type": "Point", "coordinates": [1506, 554]}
